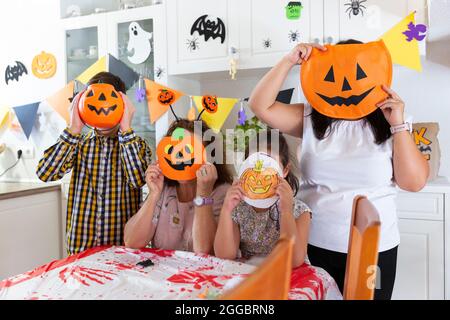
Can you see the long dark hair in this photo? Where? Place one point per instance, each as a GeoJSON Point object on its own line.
{"type": "Point", "coordinates": [223, 174]}
{"type": "Point", "coordinates": [284, 154]}
{"type": "Point", "coordinates": [323, 126]}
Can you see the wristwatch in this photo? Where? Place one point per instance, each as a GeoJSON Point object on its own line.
{"type": "Point", "coordinates": [401, 127]}
{"type": "Point", "coordinates": [202, 201]}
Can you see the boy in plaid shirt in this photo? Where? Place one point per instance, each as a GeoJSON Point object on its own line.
{"type": "Point", "coordinates": [108, 171]}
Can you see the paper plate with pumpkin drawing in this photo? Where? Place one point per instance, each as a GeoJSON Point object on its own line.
{"type": "Point", "coordinates": [259, 175]}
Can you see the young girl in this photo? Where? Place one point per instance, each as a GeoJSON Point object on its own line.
{"type": "Point", "coordinates": [255, 231]}
{"type": "Point", "coordinates": [168, 219]}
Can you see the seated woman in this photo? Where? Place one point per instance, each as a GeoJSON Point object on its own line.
{"type": "Point", "coordinates": [254, 231]}
{"type": "Point", "coordinates": [168, 218]}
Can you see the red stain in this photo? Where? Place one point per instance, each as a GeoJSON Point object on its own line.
{"type": "Point", "coordinates": [196, 278]}
{"type": "Point", "coordinates": [162, 253]}
{"type": "Point", "coordinates": [306, 277]}
{"type": "Point", "coordinates": [83, 275]}
{"type": "Point", "coordinates": [124, 266]}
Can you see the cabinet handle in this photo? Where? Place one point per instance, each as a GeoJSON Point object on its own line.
{"type": "Point", "coordinates": [329, 40]}
{"type": "Point", "coordinates": [316, 40]}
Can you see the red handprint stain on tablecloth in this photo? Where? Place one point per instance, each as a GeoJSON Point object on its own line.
{"type": "Point", "coordinates": [197, 279]}
{"type": "Point", "coordinates": [85, 275]}
{"type": "Point", "coordinates": [305, 281]}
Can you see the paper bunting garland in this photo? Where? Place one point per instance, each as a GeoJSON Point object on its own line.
{"type": "Point", "coordinates": [61, 101]}
{"type": "Point", "coordinates": [26, 115]}
{"type": "Point", "coordinates": [159, 99]}
{"type": "Point", "coordinates": [4, 116]}
{"type": "Point", "coordinates": [214, 110]}
{"type": "Point", "coordinates": [124, 72]}
{"type": "Point", "coordinates": [404, 48]}
{"type": "Point", "coordinates": [96, 67]}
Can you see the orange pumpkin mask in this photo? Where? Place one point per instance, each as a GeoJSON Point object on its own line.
{"type": "Point", "coordinates": [44, 65]}
{"type": "Point", "coordinates": [101, 106]}
{"type": "Point", "coordinates": [345, 81]}
{"type": "Point", "coordinates": [259, 182]}
{"type": "Point", "coordinates": [180, 155]}
{"type": "Point", "coordinates": [210, 104]}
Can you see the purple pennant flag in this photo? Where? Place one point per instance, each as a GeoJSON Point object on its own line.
{"type": "Point", "coordinates": [417, 32]}
{"type": "Point", "coordinates": [26, 115]}
{"type": "Point", "coordinates": [124, 72]}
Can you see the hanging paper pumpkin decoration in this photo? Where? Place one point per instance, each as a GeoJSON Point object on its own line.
{"type": "Point", "coordinates": [210, 104]}
{"type": "Point", "coordinates": [43, 65]}
{"type": "Point", "coordinates": [345, 81]}
{"type": "Point", "coordinates": [180, 155]}
{"type": "Point", "coordinates": [101, 106]}
{"type": "Point", "coordinates": [259, 179]}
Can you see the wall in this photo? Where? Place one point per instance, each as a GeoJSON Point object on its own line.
{"type": "Point", "coordinates": [41, 18]}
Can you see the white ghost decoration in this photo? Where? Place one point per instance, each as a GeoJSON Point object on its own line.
{"type": "Point", "coordinates": [139, 41]}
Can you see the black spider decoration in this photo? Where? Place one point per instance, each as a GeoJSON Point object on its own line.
{"type": "Point", "coordinates": [267, 43]}
{"type": "Point", "coordinates": [356, 7]}
{"type": "Point", "coordinates": [159, 71]}
{"type": "Point", "coordinates": [294, 36]}
{"type": "Point", "coordinates": [192, 44]}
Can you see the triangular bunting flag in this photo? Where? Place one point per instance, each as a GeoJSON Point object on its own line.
{"type": "Point", "coordinates": [403, 48]}
{"type": "Point", "coordinates": [26, 115]}
{"type": "Point", "coordinates": [214, 110]}
{"type": "Point", "coordinates": [96, 67]}
{"type": "Point", "coordinates": [61, 101]}
{"type": "Point", "coordinates": [4, 116]}
{"type": "Point", "coordinates": [124, 72]}
{"type": "Point", "coordinates": [284, 96]}
{"type": "Point", "coordinates": [159, 99]}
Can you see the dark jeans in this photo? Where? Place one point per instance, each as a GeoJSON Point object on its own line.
{"type": "Point", "coordinates": [334, 263]}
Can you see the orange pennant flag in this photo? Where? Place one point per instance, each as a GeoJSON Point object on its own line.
{"type": "Point", "coordinates": [159, 99]}
{"type": "Point", "coordinates": [60, 101]}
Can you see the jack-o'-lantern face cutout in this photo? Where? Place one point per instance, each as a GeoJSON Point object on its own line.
{"type": "Point", "coordinates": [344, 82]}
{"type": "Point", "coordinates": [259, 182]}
{"type": "Point", "coordinates": [44, 65]}
{"type": "Point", "coordinates": [180, 155]}
{"type": "Point", "coordinates": [101, 106]}
{"type": "Point", "coordinates": [210, 104]}
{"type": "Point", "coordinates": [166, 97]}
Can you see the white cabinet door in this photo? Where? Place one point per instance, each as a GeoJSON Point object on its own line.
{"type": "Point", "coordinates": [271, 28]}
{"type": "Point", "coordinates": [200, 33]}
{"type": "Point", "coordinates": [420, 264]}
{"type": "Point", "coordinates": [365, 20]}
{"type": "Point", "coordinates": [30, 232]}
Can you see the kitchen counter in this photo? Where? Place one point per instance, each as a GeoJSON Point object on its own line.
{"type": "Point", "coordinates": [10, 190]}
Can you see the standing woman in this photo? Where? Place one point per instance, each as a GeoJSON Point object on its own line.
{"type": "Point", "coordinates": [341, 159]}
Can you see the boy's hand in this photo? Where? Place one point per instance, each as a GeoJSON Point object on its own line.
{"type": "Point", "coordinates": [234, 196]}
{"type": "Point", "coordinates": [155, 180]}
{"type": "Point", "coordinates": [301, 52]}
{"type": "Point", "coordinates": [76, 124]}
{"type": "Point", "coordinates": [206, 178]}
{"type": "Point", "coordinates": [128, 113]}
{"type": "Point", "coordinates": [284, 191]}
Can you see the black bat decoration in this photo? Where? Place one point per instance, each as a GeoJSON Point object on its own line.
{"type": "Point", "coordinates": [423, 149]}
{"type": "Point", "coordinates": [15, 72]}
{"type": "Point", "coordinates": [210, 27]}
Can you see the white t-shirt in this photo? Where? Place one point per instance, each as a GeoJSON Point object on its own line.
{"type": "Point", "coordinates": [334, 170]}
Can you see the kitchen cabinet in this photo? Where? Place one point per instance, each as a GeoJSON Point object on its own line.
{"type": "Point", "coordinates": [259, 32]}
{"type": "Point", "coordinates": [30, 228]}
{"type": "Point", "coordinates": [424, 250]}
{"type": "Point", "coordinates": [119, 33]}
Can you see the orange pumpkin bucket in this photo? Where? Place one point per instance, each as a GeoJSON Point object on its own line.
{"type": "Point", "coordinates": [101, 106]}
{"type": "Point", "coordinates": [344, 82]}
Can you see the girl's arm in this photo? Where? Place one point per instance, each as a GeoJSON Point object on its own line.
{"type": "Point", "coordinates": [287, 118]}
{"type": "Point", "coordinates": [226, 243]}
{"type": "Point", "coordinates": [410, 167]}
{"type": "Point", "coordinates": [204, 225]}
{"type": "Point", "coordinates": [291, 227]}
{"type": "Point", "coordinates": [139, 230]}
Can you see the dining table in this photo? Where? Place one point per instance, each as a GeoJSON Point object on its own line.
{"type": "Point", "coordinates": [117, 272]}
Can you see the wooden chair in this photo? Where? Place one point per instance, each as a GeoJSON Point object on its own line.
{"type": "Point", "coordinates": [362, 258]}
{"type": "Point", "coordinates": [271, 280]}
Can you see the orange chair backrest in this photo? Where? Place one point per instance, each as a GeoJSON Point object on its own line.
{"type": "Point", "coordinates": [362, 258]}
{"type": "Point", "coordinates": [271, 280]}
